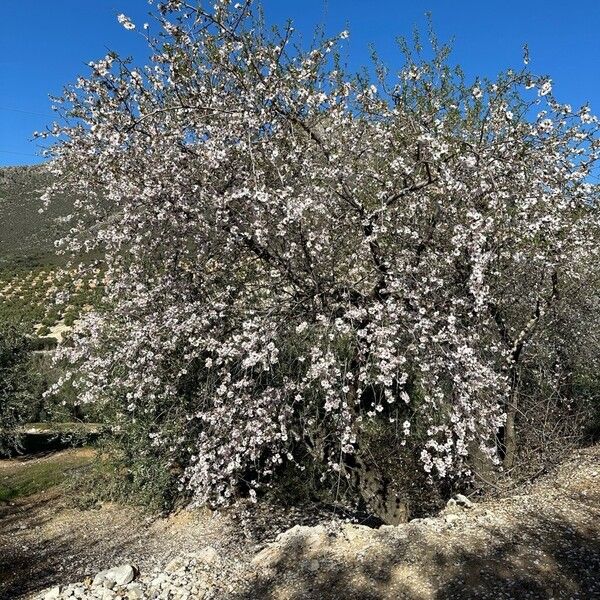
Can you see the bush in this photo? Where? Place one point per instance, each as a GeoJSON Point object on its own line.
{"type": "Point", "coordinates": [128, 469]}
{"type": "Point", "coordinates": [43, 343]}
{"type": "Point", "coordinates": [25, 377]}
{"type": "Point", "coordinates": [70, 318]}
{"type": "Point", "coordinates": [43, 331]}
{"type": "Point", "coordinates": [15, 391]}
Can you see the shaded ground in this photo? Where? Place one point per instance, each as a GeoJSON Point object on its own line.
{"type": "Point", "coordinates": [44, 540]}
{"type": "Point", "coordinates": [542, 543]}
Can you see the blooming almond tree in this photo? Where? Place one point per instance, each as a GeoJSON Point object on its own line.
{"type": "Point", "coordinates": [292, 252]}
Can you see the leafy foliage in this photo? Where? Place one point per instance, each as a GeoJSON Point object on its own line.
{"type": "Point", "coordinates": [293, 252]}
{"type": "Point", "coordinates": [14, 386]}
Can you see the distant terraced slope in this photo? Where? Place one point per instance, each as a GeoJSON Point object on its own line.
{"type": "Point", "coordinates": [27, 296]}
{"type": "Point", "coordinates": [26, 236]}
{"type": "Point", "coordinates": [31, 273]}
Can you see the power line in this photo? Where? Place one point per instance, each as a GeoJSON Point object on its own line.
{"type": "Point", "coordinates": [19, 153]}
{"type": "Point", "coordinates": [26, 112]}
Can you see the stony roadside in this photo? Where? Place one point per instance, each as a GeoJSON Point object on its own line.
{"type": "Point", "coordinates": [543, 542]}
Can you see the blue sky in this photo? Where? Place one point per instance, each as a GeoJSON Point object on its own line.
{"type": "Point", "coordinates": [45, 45]}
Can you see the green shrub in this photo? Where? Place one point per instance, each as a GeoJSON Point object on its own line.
{"type": "Point", "coordinates": [43, 343]}
{"type": "Point", "coordinates": [15, 389]}
{"type": "Point", "coordinates": [70, 318]}
{"type": "Point", "coordinates": [129, 470]}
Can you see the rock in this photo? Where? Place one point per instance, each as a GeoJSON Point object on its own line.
{"type": "Point", "coordinates": [135, 591]}
{"type": "Point", "coordinates": [267, 558]}
{"type": "Point", "coordinates": [160, 580]}
{"type": "Point", "coordinates": [177, 564]}
{"type": "Point", "coordinates": [313, 565]}
{"type": "Point", "coordinates": [116, 576]}
{"type": "Point", "coordinates": [449, 519]}
{"type": "Point", "coordinates": [52, 593]}
{"type": "Point", "coordinates": [463, 501]}
{"type": "Point", "coordinates": [208, 555]}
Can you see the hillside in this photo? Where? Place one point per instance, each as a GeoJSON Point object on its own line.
{"type": "Point", "coordinates": [30, 271]}
{"type": "Point", "coordinates": [26, 235]}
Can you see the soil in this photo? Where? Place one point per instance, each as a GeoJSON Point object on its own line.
{"type": "Point", "coordinates": [45, 540]}
{"type": "Point", "coordinates": [542, 542]}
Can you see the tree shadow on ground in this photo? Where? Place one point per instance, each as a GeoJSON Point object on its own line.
{"type": "Point", "coordinates": [535, 556]}
{"type": "Point", "coordinates": [535, 547]}
{"type": "Point", "coordinates": [543, 558]}
{"type": "Point", "coordinates": [31, 561]}
{"type": "Point", "coordinates": [25, 570]}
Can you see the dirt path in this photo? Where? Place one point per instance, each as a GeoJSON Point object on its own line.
{"type": "Point", "coordinates": [543, 543]}
{"type": "Point", "coordinates": [44, 541]}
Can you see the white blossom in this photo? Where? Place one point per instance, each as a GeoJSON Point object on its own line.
{"type": "Point", "coordinates": [293, 252]}
{"type": "Point", "coordinates": [545, 88]}
{"type": "Point", "coordinates": [125, 21]}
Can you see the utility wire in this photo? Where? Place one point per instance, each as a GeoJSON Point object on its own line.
{"type": "Point", "coordinates": [26, 112]}
{"type": "Point", "coordinates": [19, 153]}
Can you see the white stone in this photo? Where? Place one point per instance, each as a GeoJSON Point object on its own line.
{"type": "Point", "coordinates": [52, 593]}
{"type": "Point", "coordinates": [313, 565]}
{"type": "Point", "coordinates": [208, 555]}
{"type": "Point", "coordinates": [463, 501]}
{"type": "Point", "coordinates": [177, 564]}
{"type": "Point", "coordinates": [116, 576]}
{"type": "Point", "coordinates": [135, 591]}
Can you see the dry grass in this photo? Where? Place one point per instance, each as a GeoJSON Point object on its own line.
{"type": "Point", "coordinates": [22, 477]}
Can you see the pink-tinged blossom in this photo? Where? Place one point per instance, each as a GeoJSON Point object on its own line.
{"type": "Point", "coordinates": [294, 251]}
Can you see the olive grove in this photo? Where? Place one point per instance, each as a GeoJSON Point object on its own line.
{"type": "Point", "coordinates": [297, 256]}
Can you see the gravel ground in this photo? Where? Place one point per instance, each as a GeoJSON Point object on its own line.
{"type": "Point", "coordinates": [542, 543]}
{"type": "Point", "coordinates": [44, 540]}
